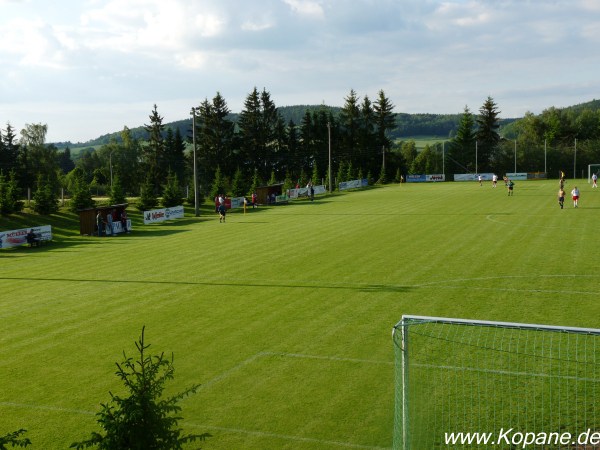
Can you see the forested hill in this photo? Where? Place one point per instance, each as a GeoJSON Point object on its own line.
{"type": "Point", "coordinates": [441, 125]}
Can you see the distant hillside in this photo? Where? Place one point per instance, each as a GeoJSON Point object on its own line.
{"type": "Point", "coordinates": [442, 125]}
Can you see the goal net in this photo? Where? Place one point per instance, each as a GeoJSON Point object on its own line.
{"type": "Point", "coordinates": [465, 376]}
{"type": "Point", "coordinates": [593, 169]}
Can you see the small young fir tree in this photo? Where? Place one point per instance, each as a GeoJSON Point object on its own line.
{"type": "Point", "coordinates": [143, 420]}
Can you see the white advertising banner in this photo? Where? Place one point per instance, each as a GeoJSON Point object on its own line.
{"type": "Point", "coordinates": [353, 184]}
{"type": "Point", "coordinates": [117, 227]}
{"type": "Point", "coordinates": [237, 202]}
{"type": "Point", "coordinates": [517, 176]}
{"type": "Point", "coordinates": [13, 238]}
{"type": "Point", "coordinates": [473, 176]}
{"type": "Point", "coordinates": [303, 192]}
{"type": "Point", "coordinates": [160, 215]}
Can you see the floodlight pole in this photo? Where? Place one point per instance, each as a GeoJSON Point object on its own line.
{"type": "Point", "coordinates": [195, 177]}
{"type": "Point", "coordinates": [515, 157]}
{"type": "Point", "coordinates": [329, 141]}
{"type": "Point", "coordinates": [476, 157]}
{"type": "Point", "coordinates": [110, 164]}
{"type": "Point", "coordinates": [545, 169]}
{"type": "Point", "coordinates": [444, 158]}
{"type": "Point", "coordinates": [575, 160]}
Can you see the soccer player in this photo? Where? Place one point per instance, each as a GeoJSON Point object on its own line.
{"type": "Point", "coordinates": [561, 197]}
{"type": "Point", "coordinates": [222, 212]}
{"type": "Point", "coordinates": [594, 181]}
{"type": "Point", "coordinates": [575, 196]}
{"type": "Point", "coordinates": [494, 180]}
{"type": "Point", "coordinates": [510, 187]}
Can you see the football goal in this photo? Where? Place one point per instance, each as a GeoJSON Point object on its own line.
{"type": "Point", "coordinates": [593, 169]}
{"type": "Point", "coordinates": [458, 380]}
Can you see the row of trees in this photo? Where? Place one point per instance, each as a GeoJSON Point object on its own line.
{"type": "Point", "coordinates": [260, 147]}
{"type": "Point", "coordinates": [556, 140]}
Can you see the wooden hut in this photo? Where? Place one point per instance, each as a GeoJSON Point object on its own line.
{"type": "Point", "coordinates": [266, 194]}
{"type": "Point", "coordinates": [87, 217]}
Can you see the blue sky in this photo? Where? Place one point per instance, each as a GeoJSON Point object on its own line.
{"type": "Point", "coordinates": [90, 67]}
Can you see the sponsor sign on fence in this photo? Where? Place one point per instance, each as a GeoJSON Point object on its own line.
{"type": "Point", "coordinates": [117, 227]}
{"type": "Point", "coordinates": [237, 202]}
{"type": "Point", "coordinates": [13, 238]}
{"type": "Point", "coordinates": [160, 215]}
{"type": "Point", "coordinates": [517, 176]}
{"type": "Point", "coordinates": [353, 184]}
{"type": "Point", "coordinates": [425, 178]}
{"type": "Point", "coordinates": [303, 192]}
{"type": "Point", "coordinates": [473, 176]}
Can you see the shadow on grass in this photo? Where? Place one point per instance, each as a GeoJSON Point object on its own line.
{"type": "Point", "coordinates": [258, 284]}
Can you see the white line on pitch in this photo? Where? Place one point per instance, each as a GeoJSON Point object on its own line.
{"type": "Point", "coordinates": [288, 437]}
{"type": "Point", "coordinates": [329, 358]}
{"type": "Point", "coordinates": [46, 408]}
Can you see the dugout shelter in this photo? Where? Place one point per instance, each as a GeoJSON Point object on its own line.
{"type": "Point", "coordinates": [87, 217]}
{"type": "Point", "coordinates": [265, 195]}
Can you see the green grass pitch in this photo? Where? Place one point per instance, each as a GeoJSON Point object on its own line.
{"type": "Point", "coordinates": [284, 314]}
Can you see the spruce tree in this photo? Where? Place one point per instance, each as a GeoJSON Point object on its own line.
{"type": "Point", "coordinates": [81, 197]}
{"type": "Point", "coordinates": [117, 196]}
{"type": "Point", "coordinates": [45, 200]}
{"type": "Point", "coordinates": [237, 184]}
{"type": "Point", "coordinates": [218, 185]}
{"type": "Point", "coordinates": [315, 175]}
{"type": "Point", "coordinates": [172, 191]}
{"type": "Point", "coordinates": [256, 181]}
{"type": "Point", "coordinates": [148, 199]}
{"type": "Point", "coordinates": [143, 420]}
{"type": "Point", "coordinates": [487, 135]}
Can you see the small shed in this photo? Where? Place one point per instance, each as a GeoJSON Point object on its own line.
{"type": "Point", "coordinates": [265, 195]}
{"type": "Point", "coordinates": [87, 217]}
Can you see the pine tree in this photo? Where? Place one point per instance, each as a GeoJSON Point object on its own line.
{"type": "Point", "coordinates": [382, 176]}
{"type": "Point", "coordinates": [143, 420]}
{"type": "Point", "coordinates": [218, 185]}
{"type": "Point", "coordinates": [154, 151]}
{"type": "Point", "coordinates": [172, 191]}
{"type": "Point", "coordinates": [341, 173]}
{"type": "Point", "coordinates": [148, 199]}
{"type": "Point", "coordinates": [461, 154]}
{"type": "Point", "coordinates": [256, 182]}
{"type": "Point", "coordinates": [45, 200]}
{"type": "Point", "coordinates": [81, 197]}
{"type": "Point", "coordinates": [237, 184]}
{"type": "Point", "coordinates": [117, 196]}
{"type": "Point", "coordinates": [315, 175]}
{"type": "Point", "coordinates": [487, 135]}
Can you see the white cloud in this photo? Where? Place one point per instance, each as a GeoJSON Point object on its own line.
{"type": "Point", "coordinates": [307, 8]}
{"type": "Point", "coordinates": [427, 55]}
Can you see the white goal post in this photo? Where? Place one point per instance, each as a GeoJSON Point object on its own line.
{"type": "Point", "coordinates": [456, 376]}
{"type": "Point", "coordinates": [592, 169]}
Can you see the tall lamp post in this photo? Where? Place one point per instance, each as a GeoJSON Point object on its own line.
{"type": "Point", "coordinates": [196, 212]}
{"type": "Point", "coordinates": [515, 157]}
{"type": "Point", "coordinates": [329, 141]}
{"type": "Point", "coordinates": [110, 164]}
